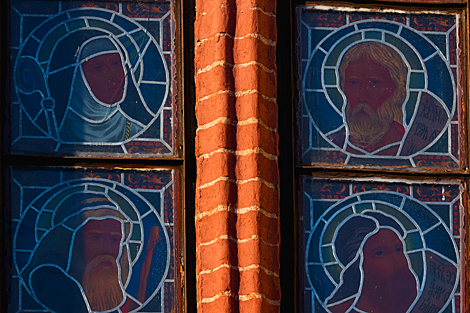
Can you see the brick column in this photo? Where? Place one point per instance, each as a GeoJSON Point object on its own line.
{"type": "Point", "coordinates": [237, 197]}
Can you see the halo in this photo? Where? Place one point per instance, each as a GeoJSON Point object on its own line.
{"type": "Point", "coordinates": [418, 221]}
{"type": "Point", "coordinates": [38, 221]}
{"type": "Point", "coordinates": [39, 79]}
{"type": "Point", "coordinates": [322, 95]}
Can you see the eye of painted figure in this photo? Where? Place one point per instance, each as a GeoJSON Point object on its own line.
{"type": "Point", "coordinates": [368, 82]}
{"type": "Point", "coordinates": [105, 76]}
{"type": "Point", "coordinates": [101, 237]}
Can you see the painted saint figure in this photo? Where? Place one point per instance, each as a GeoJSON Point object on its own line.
{"type": "Point", "coordinates": [377, 276]}
{"type": "Point", "coordinates": [105, 105]}
{"type": "Point", "coordinates": [373, 77]}
{"type": "Point", "coordinates": [81, 264]}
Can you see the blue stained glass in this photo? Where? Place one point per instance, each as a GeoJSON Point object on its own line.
{"type": "Point", "coordinates": [335, 271]}
{"type": "Point", "coordinates": [418, 213]}
{"type": "Point", "coordinates": [15, 29]}
{"type": "Point", "coordinates": [335, 97]}
{"type": "Point", "coordinates": [373, 35]}
{"type": "Point", "coordinates": [339, 48]}
{"type": "Point", "coordinates": [441, 144]}
{"type": "Point", "coordinates": [25, 239]}
{"type": "Point", "coordinates": [28, 303]}
{"type": "Point", "coordinates": [154, 68]}
{"type": "Point", "coordinates": [105, 26]}
{"type": "Point", "coordinates": [441, 85]}
{"type": "Point", "coordinates": [305, 38]}
{"type": "Point", "coordinates": [343, 203]}
{"type": "Point", "coordinates": [316, 37]}
{"type": "Point", "coordinates": [416, 259]}
{"type": "Point", "coordinates": [423, 47]}
{"type": "Point", "coordinates": [318, 307]}
{"type": "Point", "coordinates": [410, 55]}
{"type": "Point", "coordinates": [440, 41]}
{"type": "Point", "coordinates": [125, 24]}
{"type": "Point", "coordinates": [410, 106]}
{"type": "Point", "coordinates": [48, 247]}
{"type": "Point", "coordinates": [438, 240]}
{"type": "Point", "coordinates": [104, 14]}
{"type": "Point", "coordinates": [314, 254]}
{"type": "Point", "coordinates": [48, 25]}
{"type": "Point", "coordinates": [37, 7]}
{"type": "Point", "coordinates": [330, 77]}
{"type": "Point", "coordinates": [398, 215]}
{"type": "Point", "coordinates": [427, 253]}
{"type": "Point", "coordinates": [416, 78]}
{"type": "Point", "coordinates": [49, 42]}
{"type": "Point", "coordinates": [153, 28]}
{"type": "Point", "coordinates": [61, 95]}
{"type": "Point", "coordinates": [380, 25]}
{"type": "Point", "coordinates": [413, 241]}
{"type": "Point", "coordinates": [313, 80]}
{"type": "Point", "coordinates": [153, 93]}
{"type": "Point", "coordinates": [30, 48]}
{"type": "Point", "coordinates": [328, 43]}
{"type": "Point", "coordinates": [442, 211]}
{"type": "Point", "coordinates": [63, 43]}
{"type": "Point", "coordinates": [76, 24]}
{"type": "Point", "coordinates": [66, 49]}
{"type": "Point", "coordinates": [141, 39]}
{"type": "Point", "coordinates": [319, 278]}
{"type": "Point", "coordinates": [319, 104]}
{"type": "Point", "coordinates": [387, 197]}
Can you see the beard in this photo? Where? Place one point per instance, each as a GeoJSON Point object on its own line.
{"type": "Point", "coordinates": [101, 284]}
{"type": "Point", "coordinates": [369, 126]}
{"type": "Point", "coordinates": [393, 294]}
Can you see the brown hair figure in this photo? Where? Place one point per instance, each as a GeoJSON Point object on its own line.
{"type": "Point", "coordinates": [377, 277]}
{"type": "Point", "coordinates": [373, 77]}
{"type": "Point", "coordinates": [83, 263]}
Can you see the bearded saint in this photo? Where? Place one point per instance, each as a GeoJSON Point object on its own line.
{"type": "Point", "coordinates": [373, 78]}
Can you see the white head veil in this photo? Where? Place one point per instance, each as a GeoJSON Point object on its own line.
{"type": "Point", "coordinates": [83, 102]}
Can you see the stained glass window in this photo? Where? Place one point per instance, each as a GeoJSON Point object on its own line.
{"type": "Point", "coordinates": [92, 78]}
{"type": "Point", "coordinates": [100, 240]}
{"type": "Point", "coordinates": [378, 89]}
{"type": "Point", "coordinates": [95, 80]}
{"type": "Point", "coordinates": [380, 246]}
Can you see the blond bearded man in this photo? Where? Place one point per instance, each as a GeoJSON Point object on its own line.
{"type": "Point", "coordinates": [373, 77]}
{"type": "Point", "coordinates": [81, 265]}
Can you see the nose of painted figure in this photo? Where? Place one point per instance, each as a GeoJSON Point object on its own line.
{"type": "Point", "coordinates": [368, 82]}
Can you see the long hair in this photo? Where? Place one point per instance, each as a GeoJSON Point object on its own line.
{"type": "Point", "coordinates": [388, 58]}
{"type": "Point", "coordinates": [349, 240]}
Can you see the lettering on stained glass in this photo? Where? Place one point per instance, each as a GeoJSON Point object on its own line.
{"type": "Point", "coordinates": [92, 241]}
{"type": "Point", "coordinates": [381, 247]}
{"type": "Point", "coordinates": [378, 89]}
{"type": "Point", "coordinates": [92, 78]}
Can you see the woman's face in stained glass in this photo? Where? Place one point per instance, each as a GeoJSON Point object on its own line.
{"type": "Point", "coordinates": [105, 76]}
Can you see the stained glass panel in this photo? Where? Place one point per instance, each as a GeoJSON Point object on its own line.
{"type": "Point", "coordinates": [93, 240]}
{"type": "Point", "coordinates": [378, 89]}
{"type": "Point", "coordinates": [380, 246]}
{"type": "Point", "coordinates": [92, 78]}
